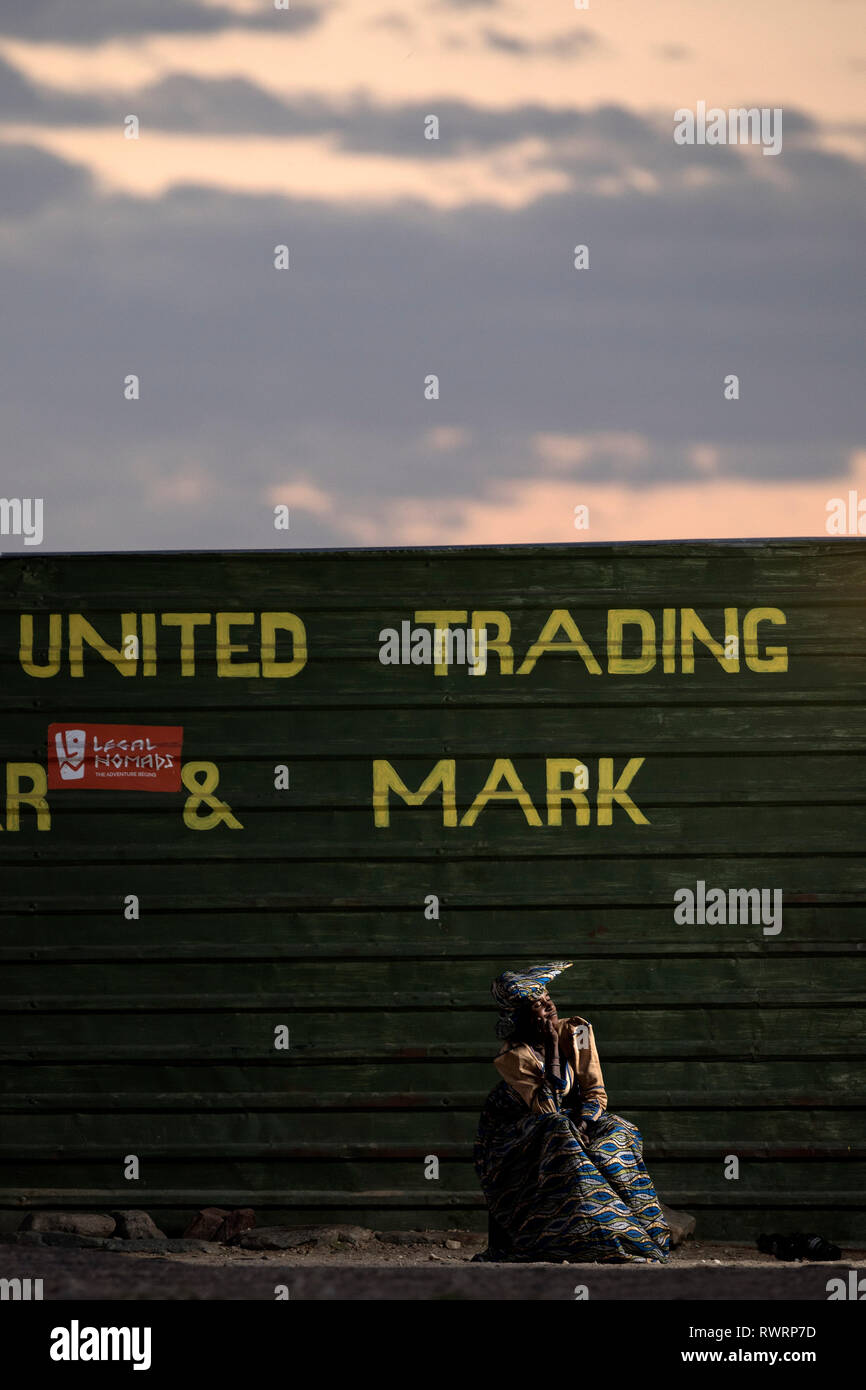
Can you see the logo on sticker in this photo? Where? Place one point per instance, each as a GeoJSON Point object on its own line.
{"type": "Point", "coordinates": [145, 757]}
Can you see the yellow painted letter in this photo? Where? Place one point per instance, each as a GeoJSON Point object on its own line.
{"type": "Point", "coordinates": [441, 618]}
{"type": "Point", "coordinates": [609, 792]}
{"type": "Point", "coordinates": [272, 623]}
{"type": "Point", "coordinates": [386, 780]}
{"type": "Point", "coordinates": [692, 627]}
{"type": "Point", "coordinates": [35, 797]}
{"type": "Point", "coordinates": [619, 665]}
{"type": "Point", "coordinates": [81, 631]}
{"type": "Point", "coordinates": [25, 651]}
{"type": "Point", "coordinates": [483, 618]}
{"type": "Point", "coordinates": [556, 793]}
{"type": "Point", "coordinates": [502, 771]}
{"type": "Point", "coordinates": [559, 618]}
{"type": "Point", "coordinates": [776, 658]}
{"type": "Point", "coordinates": [225, 667]}
{"type": "Point", "coordinates": [187, 622]}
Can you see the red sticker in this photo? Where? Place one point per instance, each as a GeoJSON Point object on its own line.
{"type": "Point", "coordinates": [144, 757]}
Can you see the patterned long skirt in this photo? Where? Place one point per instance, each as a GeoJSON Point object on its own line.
{"type": "Point", "coordinates": [553, 1195]}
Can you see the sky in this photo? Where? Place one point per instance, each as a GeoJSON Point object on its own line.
{"type": "Point", "coordinates": [604, 389]}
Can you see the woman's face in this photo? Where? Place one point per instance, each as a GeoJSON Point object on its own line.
{"type": "Point", "coordinates": [543, 1010]}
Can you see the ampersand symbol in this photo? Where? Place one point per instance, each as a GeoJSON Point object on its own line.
{"type": "Point", "coordinates": [201, 779]}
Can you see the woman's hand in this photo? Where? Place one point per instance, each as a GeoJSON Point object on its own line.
{"type": "Point", "coordinates": [549, 1033]}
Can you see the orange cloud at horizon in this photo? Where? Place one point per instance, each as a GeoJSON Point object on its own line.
{"type": "Point", "coordinates": [297, 167]}
{"type": "Point", "coordinates": [542, 510]}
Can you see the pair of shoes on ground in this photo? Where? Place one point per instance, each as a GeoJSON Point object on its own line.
{"type": "Point", "coordinates": [799, 1247]}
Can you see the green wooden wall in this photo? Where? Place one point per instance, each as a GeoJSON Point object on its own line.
{"type": "Point", "coordinates": [155, 1037]}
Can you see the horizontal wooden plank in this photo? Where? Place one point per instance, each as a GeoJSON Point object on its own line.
{"type": "Point", "coordinates": [338, 952]}
{"type": "Point", "coordinates": [319, 738]}
{"type": "Point", "coordinates": [418, 1198]}
{"type": "Point", "coordinates": [592, 931]}
{"type": "Point", "coordinates": [370, 1173]}
{"type": "Point", "coordinates": [736, 1033]}
{"type": "Point", "coordinates": [418, 833]}
{"type": "Point", "coordinates": [419, 1098]}
{"type": "Point", "coordinates": [297, 1082]}
{"type": "Point", "coordinates": [398, 885]}
{"type": "Point", "coordinates": [828, 686]}
{"type": "Point", "coordinates": [656, 948]}
{"type": "Point", "coordinates": [280, 1181]}
{"type": "Point", "coordinates": [133, 1100]}
{"type": "Point", "coordinates": [421, 949]}
{"type": "Point", "coordinates": [218, 1137]}
{"type": "Point", "coordinates": [154, 986]}
{"type": "Point", "coordinates": [435, 577]}
{"type": "Point", "coordinates": [780, 565]}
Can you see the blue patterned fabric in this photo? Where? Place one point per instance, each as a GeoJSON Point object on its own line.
{"type": "Point", "coordinates": [555, 1196]}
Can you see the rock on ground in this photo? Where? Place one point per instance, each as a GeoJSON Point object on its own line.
{"type": "Point", "coordinates": [446, 1238]}
{"type": "Point", "coordinates": [80, 1223]}
{"type": "Point", "coordinates": [214, 1223]}
{"type": "Point", "coordinates": [290, 1237]}
{"type": "Point", "coordinates": [64, 1240]}
{"type": "Point", "coordinates": [235, 1224]}
{"type": "Point", "coordinates": [136, 1225]}
{"type": "Point", "coordinates": [166, 1246]}
{"type": "Point", "coordinates": [682, 1224]}
{"type": "Point", "coordinates": [206, 1223]}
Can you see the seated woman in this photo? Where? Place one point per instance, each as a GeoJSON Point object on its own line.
{"type": "Point", "coordinates": [563, 1178]}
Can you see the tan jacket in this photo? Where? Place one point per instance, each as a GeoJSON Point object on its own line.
{"type": "Point", "coordinates": [523, 1071]}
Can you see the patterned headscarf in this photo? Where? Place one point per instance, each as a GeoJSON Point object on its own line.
{"type": "Point", "coordinates": [516, 987]}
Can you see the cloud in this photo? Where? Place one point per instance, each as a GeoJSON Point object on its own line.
{"type": "Point", "coordinates": [674, 52]}
{"type": "Point", "coordinates": [569, 44]}
{"type": "Point", "coordinates": [302, 495]}
{"type": "Point", "coordinates": [236, 105]}
{"type": "Point", "coordinates": [396, 22]}
{"type": "Point", "coordinates": [230, 105]}
{"type": "Point", "coordinates": [529, 510]}
{"type": "Point", "coordinates": [560, 452]}
{"type": "Point", "coordinates": [30, 179]}
{"type": "Point", "coordinates": [444, 439]}
{"type": "Point", "coordinates": [506, 43]}
{"type": "Point", "coordinates": [607, 148]}
{"type": "Point", "coordinates": [23, 100]}
{"type": "Point", "coordinates": [509, 156]}
{"type": "Point", "coordinates": [184, 487]}
{"type": "Point", "coordinates": [92, 21]}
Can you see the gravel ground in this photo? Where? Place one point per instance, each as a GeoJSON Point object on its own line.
{"type": "Point", "coordinates": [384, 1272]}
{"type": "Point", "coordinates": [354, 1263]}
{"type": "Point", "coordinates": [375, 1252]}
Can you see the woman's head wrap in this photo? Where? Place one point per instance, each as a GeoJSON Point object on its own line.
{"type": "Point", "coordinates": [517, 987]}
